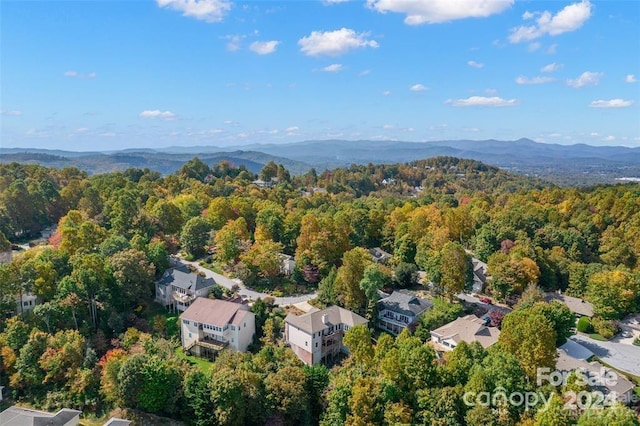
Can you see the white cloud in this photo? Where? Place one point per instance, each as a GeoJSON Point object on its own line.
{"type": "Point", "coordinates": [534, 46]}
{"type": "Point", "coordinates": [570, 18]}
{"type": "Point", "coordinates": [264, 47]}
{"type": "Point", "coordinates": [329, 2]}
{"type": "Point", "coordinates": [437, 11]}
{"type": "Point", "coordinates": [613, 103]}
{"type": "Point", "coordinates": [609, 138]}
{"type": "Point", "coordinates": [418, 88]}
{"type": "Point", "coordinates": [551, 67]}
{"type": "Point", "coordinates": [386, 93]}
{"type": "Point", "coordinates": [292, 129]}
{"type": "Point", "coordinates": [334, 43]}
{"type": "Point", "coordinates": [552, 49]}
{"type": "Point", "coordinates": [493, 101]}
{"type": "Point", "coordinates": [475, 64]}
{"type": "Point", "coordinates": [203, 10]}
{"type": "Point", "coordinates": [14, 113]}
{"type": "Point", "coordinates": [630, 78]}
{"type": "Point", "coordinates": [363, 73]}
{"type": "Point", "coordinates": [534, 80]}
{"type": "Point", "coordinates": [333, 68]}
{"type": "Point", "coordinates": [470, 129]}
{"type": "Point", "coordinates": [388, 126]}
{"type": "Point", "coordinates": [167, 115]}
{"type": "Point", "coordinates": [234, 42]}
{"type": "Point", "coordinates": [587, 78]}
{"type": "Point", "coordinates": [75, 74]}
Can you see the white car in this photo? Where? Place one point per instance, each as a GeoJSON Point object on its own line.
{"type": "Point", "coordinates": [626, 334]}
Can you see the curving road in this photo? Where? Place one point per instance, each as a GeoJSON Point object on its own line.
{"type": "Point", "coordinates": [243, 291]}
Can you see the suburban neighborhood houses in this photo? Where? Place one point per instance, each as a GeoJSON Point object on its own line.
{"type": "Point", "coordinates": [465, 329]}
{"type": "Point", "coordinates": [210, 325]}
{"type": "Point", "coordinates": [317, 336]}
{"type": "Point", "coordinates": [180, 286]}
{"type": "Point", "coordinates": [399, 310]}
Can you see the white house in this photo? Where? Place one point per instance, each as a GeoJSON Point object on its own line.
{"type": "Point", "coordinates": [179, 287]}
{"type": "Point", "coordinates": [210, 325]}
{"type": "Point", "coordinates": [400, 310]}
{"type": "Point", "coordinates": [287, 264]}
{"type": "Point", "coordinates": [316, 336]}
{"type": "Point", "coordinates": [479, 275]}
{"type": "Point", "coordinates": [26, 302]}
{"type": "Point", "coordinates": [465, 329]}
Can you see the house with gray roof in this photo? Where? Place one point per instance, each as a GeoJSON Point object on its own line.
{"type": "Point", "coordinates": [18, 416]}
{"type": "Point", "coordinates": [613, 385]}
{"type": "Point", "coordinates": [179, 287]}
{"type": "Point", "coordinates": [380, 256]}
{"type": "Point", "coordinates": [400, 310]}
{"type": "Point", "coordinates": [479, 275]}
{"type": "Point", "coordinates": [579, 307]}
{"type": "Point", "coordinates": [317, 336]}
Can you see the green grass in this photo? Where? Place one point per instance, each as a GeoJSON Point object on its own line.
{"type": "Point", "coordinates": [202, 363]}
{"type": "Point", "coordinates": [596, 336]}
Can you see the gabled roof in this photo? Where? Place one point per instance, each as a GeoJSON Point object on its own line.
{"type": "Point", "coordinates": [312, 322]}
{"type": "Point", "coordinates": [611, 381]}
{"type": "Point", "coordinates": [182, 277]}
{"type": "Point", "coordinates": [379, 254]}
{"type": "Point", "coordinates": [214, 312]}
{"type": "Point", "coordinates": [468, 329]}
{"type": "Point", "coordinates": [18, 416]}
{"type": "Point", "coordinates": [404, 303]}
{"type": "Point", "coordinates": [575, 304]}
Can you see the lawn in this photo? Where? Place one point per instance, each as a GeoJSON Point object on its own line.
{"type": "Point", "coordinates": [596, 336]}
{"type": "Point", "coordinates": [202, 363]}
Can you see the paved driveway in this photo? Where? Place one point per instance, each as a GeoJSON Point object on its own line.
{"type": "Point", "coordinates": [619, 355]}
{"type": "Point", "coordinates": [244, 291]}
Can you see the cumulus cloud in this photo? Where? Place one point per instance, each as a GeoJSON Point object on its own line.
{"type": "Point", "coordinates": [292, 129]}
{"type": "Point", "coordinates": [334, 43]}
{"type": "Point", "coordinates": [475, 64]}
{"type": "Point", "coordinates": [75, 74]}
{"type": "Point", "coordinates": [386, 93]}
{"type": "Point", "coordinates": [203, 10]}
{"type": "Point", "coordinates": [418, 88]}
{"type": "Point", "coordinates": [609, 138]}
{"type": "Point", "coordinates": [264, 47]}
{"type": "Point", "coordinates": [534, 80]}
{"type": "Point", "coordinates": [630, 78]}
{"type": "Point", "coordinates": [551, 67]}
{"type": "Point", "coordinates": [167, 115]}
{"type": "Point", "coordinates": [587, 78]}
{"type": "Point", "coordinates": [613, 103]}
{"type": "Point", "coordinates": [333, 68]}
{"type": "Point", "coordinates": [14, 113]}
{"type": "Point", "coordinates": [570, 18]}
{"type": "Point", "coordinates": [493, 101]}
{"type": "Point", "coordinates": [437, 11]}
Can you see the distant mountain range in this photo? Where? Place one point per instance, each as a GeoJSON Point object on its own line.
{"type": "Point", "coordinates": [565, 164]}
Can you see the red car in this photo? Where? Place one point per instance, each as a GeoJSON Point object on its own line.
{"type": "Point", "coordinates": [486, 300]}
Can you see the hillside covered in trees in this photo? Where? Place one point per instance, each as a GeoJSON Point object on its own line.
{"type": "Point", "coordinates": [97, 341]}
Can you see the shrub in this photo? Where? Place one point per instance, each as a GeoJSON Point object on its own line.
{"type": "Point", "coordinates": [636, 341]}
{"type": "Point", "coordinates": [584, 325]}
{"type": "Point", "coordinates": [606, 329]}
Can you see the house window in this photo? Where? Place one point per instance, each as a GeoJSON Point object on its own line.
{"type": "Point", "coordinates": [306, 343]}
{"type": "Point", "coordinates": [185, 322]}
{"type": "Point", "coordinates": [316, 344]}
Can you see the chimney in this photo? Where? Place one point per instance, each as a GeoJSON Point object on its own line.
{"type": "Point", "coordinates": [325, 319]}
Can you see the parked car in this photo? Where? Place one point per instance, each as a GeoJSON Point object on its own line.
{"type": "Point", "coordinates": [626, 334]}
{"type": "Point", "coordinates": [486, 300]}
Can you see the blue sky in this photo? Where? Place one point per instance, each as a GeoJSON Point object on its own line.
{"type": "Point", "coordinates": [99, 75]}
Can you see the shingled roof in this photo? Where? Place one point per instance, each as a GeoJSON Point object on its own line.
{"type": "Point", "coordinates": [312, 321]}
{"type": "Point", "coordinates": [404, 303]}
{"type": "Point", "coordinates": [182, 277]}
{"type": "Point", "coordinates": [575, 304]}
{"type": "Point", "coordinates": [215, 312]}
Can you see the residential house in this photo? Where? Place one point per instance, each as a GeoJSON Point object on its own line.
{"type": "Point", "coordinates": [26, 302]}
{"type": "Point", "coordinates": [400, 310]}
{"type": "Point", "coordinates": [379, 255]}
{"type": "Point", "coordinates": [317, 336]}
{"type": "Point", "coordinates": [479, 275]}
{"type": "Point", "coordinates": [287, 264]}
{"type": "Point", "coordinates": [210, 325]}
{"type": "Point", "coordinates": [179, 287]}
{"type": "Point", "coordinates": [613, 385]}
{"type": "Point", "coordinates": [579, 307]}
{"type": "Point", "coordinates": [18, 416]}
{"type": "Point", "coordinates": [117, 422]}
{"type": "Point", "coordinates": [465, 329]}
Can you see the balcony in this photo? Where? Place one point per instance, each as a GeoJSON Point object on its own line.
{"type": "Point", "coordinates": [183, 298]}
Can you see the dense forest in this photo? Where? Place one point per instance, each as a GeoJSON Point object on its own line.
{"type": "Point", "coordinates": [97, 341]}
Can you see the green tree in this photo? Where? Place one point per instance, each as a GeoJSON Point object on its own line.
{"type": "Point", "coordinates": [354, 263]}
{"type": "Point", "coordinates": [133, 274]}
{"type": "Point", "coordinates": [194, 236]}
{"type": "Point", "coordinates": [197, 396]}
{"type": "Point", "coordinates": [456, 269]}
{"type": "Point", "coordinates": [613, 293]}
